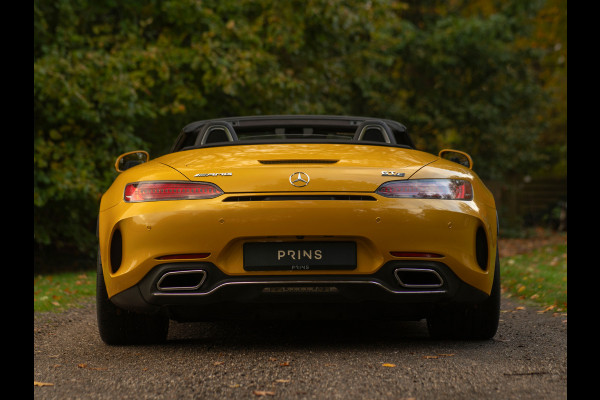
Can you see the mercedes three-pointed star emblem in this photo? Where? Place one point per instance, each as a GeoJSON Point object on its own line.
{"type": "Point", "coordinates": [299, 179]}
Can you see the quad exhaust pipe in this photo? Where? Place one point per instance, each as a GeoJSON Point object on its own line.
{"type": "Point", "coordinates": [418, 278]}
{"type": "Point", "coordinates": [183, 280]}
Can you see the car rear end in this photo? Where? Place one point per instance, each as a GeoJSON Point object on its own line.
{"type": "Point", "coordinates": [289, 230]}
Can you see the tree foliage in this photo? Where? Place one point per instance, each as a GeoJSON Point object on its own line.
{"type": "Point", "coordinates": [112, 76]}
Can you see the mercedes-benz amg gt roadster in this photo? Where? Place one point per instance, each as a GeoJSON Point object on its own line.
{"type": "Point", "coordinates": [319, 217]}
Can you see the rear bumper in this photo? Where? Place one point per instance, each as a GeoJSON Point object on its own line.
{"type": "Point", "coordinates": [222, 228]}
{"type": "Point", "coordinates": [405, 289]}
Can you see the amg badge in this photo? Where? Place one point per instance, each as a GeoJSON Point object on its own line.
{"type": "Point", "coordinates": [213, 174]}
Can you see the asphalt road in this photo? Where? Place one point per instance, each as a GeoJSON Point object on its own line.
{"type": "Point", "coordinates": [527, 359]}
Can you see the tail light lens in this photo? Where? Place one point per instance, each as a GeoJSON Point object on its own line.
{"type": "Point", "coordinates": [157, 191]}
{"type": "Point", "coordinates": [446, 189]}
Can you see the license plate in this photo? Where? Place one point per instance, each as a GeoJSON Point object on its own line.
{"type": "Point", "coordinates": [299, 256]}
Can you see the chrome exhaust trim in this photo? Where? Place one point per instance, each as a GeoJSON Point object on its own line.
{"type": "Point", "coordinates": [183, 280]}
{"type": "Point", "coordinates": [418, 278]}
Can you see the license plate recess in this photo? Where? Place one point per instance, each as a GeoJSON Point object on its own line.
{"type": "Point", "coordinates": [299, 256]}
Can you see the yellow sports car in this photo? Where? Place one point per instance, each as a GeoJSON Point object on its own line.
{"type": "Point", "coordinates": [296, 217]}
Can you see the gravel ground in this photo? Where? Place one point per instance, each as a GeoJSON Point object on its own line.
{"type": "Point", "coordinates": [527, 359]}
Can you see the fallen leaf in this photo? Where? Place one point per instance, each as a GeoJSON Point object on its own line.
{"type": "Point", "coordinates": [91, 368]}
{"type": "Point", "coordinates": [42, 384]}
{"type": "Point", "coordinates": [439, 355]}
{"type": "Point", "coordinates": [284, 364]}
{"type": "Point", "coordinates": [549, 308]}
{"type": "Point", "coordinates": [263, 393]}
{"type": "Point", "coordinates": [388, 365]}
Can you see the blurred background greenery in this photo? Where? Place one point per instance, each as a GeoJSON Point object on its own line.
{"type": "Point", "coordinates": [483, 76]}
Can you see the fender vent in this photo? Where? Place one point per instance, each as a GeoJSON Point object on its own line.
{"type": "Point", "coordinates": [481, 249]}
{"type": "Point", "coordinates": [116, 251]}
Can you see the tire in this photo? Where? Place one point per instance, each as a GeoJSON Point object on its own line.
{"type": "Point", "coordinates": [121, 327]}
{"type": "Point", "coordinates": [466, 321]}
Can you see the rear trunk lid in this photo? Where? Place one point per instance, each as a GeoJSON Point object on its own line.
{"type": "Point", "coordinates": [298, 167]}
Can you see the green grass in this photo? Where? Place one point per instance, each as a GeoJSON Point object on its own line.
{"type": "Point", "coordinates": [537, 278]}
{"type": "Point", "coordinates": [58, 292]}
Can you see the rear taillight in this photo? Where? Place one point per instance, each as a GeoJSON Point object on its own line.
{"type": "Point", "coordinates": [447, 189]}
{"type": "Point", "coordinates": [156, 191]}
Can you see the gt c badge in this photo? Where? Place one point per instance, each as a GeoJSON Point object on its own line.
{"type": "Point", "coordinates": [391, 173]}
{"type": "Point", "coordinates": [299, 179]}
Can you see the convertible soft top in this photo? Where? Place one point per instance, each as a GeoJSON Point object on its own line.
{"type": "Point", "coordinates": [292, 128]}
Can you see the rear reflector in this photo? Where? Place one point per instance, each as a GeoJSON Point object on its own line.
{"type": "Point", "coordinates": [415, 254]}
{"type": "Point", "coordinates": [156, 191]}
{"type": "Point", "coordinates": [184, 256]}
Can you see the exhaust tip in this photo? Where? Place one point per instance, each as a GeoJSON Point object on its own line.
{"type": "Point", "coordinates": [418, 278]}
{"type": "Point", "coordinates": [184, 280]}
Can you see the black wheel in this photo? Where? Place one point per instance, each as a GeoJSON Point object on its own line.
{"type": "Point", "coordinates": [122, 327]}
{"type": "Point", "coordinates": [469, 321]}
